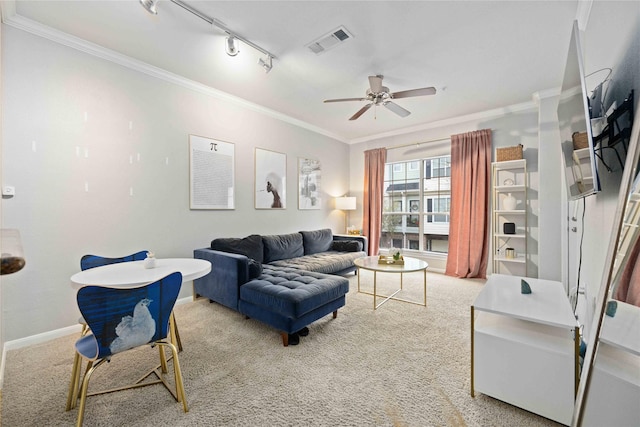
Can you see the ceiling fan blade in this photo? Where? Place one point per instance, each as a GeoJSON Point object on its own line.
{"type": "Point", "coordinates": [414, 92]}
{"type": "Point", "coordinates": [397, 109]}
{"type": "Point", "coordinates": [361, 111]}
{"type": "Point", "coordinates": [375, 82]}
{"type": "Point", "coordinates": [345, 99]}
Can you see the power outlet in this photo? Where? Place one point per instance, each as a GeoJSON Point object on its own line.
{"type": "Point", "coordinates": [8, 190]}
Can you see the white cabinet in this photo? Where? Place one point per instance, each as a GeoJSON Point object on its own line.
{"type": "Point", "coordinates": [523, 350]}
{"type": "Point", "coordinates": [509, 246]}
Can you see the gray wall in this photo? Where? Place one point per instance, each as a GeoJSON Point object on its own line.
{"type": "Point", "coordinates": [74, 122]}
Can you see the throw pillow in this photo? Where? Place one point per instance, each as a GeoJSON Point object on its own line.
{"type": "Point", "coordinates": [255, 269]}
{"type": "Point", "coordinates": [346, 246]}
{"type": "Point", "coordinates": [250, 246]}
{"type": "Point", "coordinates": [317, 241]}
{"type": "Point", "coordinates": [282, 246]}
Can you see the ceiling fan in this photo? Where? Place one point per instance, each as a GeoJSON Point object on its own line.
{"type": "Point", "coordinates": [380, 95]}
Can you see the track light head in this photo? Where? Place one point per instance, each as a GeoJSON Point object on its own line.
{"type": "Point", "coordinates": [231, 46]}
{"type": "Point", "coordinates": [150, 5]}
{"type": "Point", "coordinates": [267, 65]}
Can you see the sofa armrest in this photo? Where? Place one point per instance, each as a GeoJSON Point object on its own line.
{"type": "Point", "coordinates": [363, 239]}
{"type": "Point", "coordinates": [228, 272]}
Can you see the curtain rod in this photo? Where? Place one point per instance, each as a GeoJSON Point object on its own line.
{"type": "Point", "coordinates": [417, 144]}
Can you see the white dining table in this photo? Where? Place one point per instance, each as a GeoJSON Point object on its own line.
{"type": "Point", "coordinates": [133, 273]}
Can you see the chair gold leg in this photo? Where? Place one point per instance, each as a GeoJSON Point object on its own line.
{"type": "Point", "coordinates": [83, 391]}
{"type": "Point", "coordinates": [163, 360]}
{"type": "Point", "coordinates": [178, 378]}
{"type": "Point", "coordinates": [74, 384]}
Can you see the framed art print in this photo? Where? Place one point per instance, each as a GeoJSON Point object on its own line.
{"type": "Point", "coordinates": [271, 179]}
{"type": "Point", "coordinates": [211, 173]}
{"type": "Point", "coordinates": [309, 174]}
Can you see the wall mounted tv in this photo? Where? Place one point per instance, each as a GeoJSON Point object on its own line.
{"type": "Point", "coordinates": [579, 160]}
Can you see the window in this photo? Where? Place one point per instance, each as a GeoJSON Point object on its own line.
{"type": "Point", "coordinates": [416, 204]}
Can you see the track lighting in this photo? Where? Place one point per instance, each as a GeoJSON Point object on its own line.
{"type": "Point", "coordinates": [150, 6]}
{"type": "Point", "coordinates": [267, 65]}
{"type": "Point", "coordinates": [231, 41]}
{"type": "Point", "coordinates": [231, 46]}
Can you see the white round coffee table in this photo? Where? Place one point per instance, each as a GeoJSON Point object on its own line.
{"type": "Point", "coordinates": [410, 265]}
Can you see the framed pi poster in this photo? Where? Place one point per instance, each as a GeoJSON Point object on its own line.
{"type": "Point", "coordinates": [271, 179]}
{"type": "Point", "coordinates": [309, 174]}
{"type": "Point", "coordinates": [211, 173]}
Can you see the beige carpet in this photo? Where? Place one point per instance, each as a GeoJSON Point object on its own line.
{"type": "Point", "coordinates": [401, 365]}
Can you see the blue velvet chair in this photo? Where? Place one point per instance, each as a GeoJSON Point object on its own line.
{"type": "Point", "coordinates": [87, 262]}
{"type": "Point", "coordinates": [121, 319]}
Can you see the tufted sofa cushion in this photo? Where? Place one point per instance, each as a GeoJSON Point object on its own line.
{"type": "Point", "coordinates": [291, 292]}
{"type": "Point", "coordinates": [325, 262]}
{"type": "Point", "coordinates": [282, 246]}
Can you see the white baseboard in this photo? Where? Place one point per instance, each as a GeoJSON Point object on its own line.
{"type": "Point", "coordinates": [48, 336]}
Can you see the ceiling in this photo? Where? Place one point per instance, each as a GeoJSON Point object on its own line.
{"type": "Point", "coordinates": [479, 55]}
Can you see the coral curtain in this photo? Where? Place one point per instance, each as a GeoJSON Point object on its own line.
{"type": "Point", "coordinates": [628, 289]}
{"type": "Point", "coordinates": [469, 222]}
{"type": "Point", "coordinates": [374, 161]}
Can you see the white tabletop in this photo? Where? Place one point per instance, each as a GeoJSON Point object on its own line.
{"type": "Point", "coordinates": [133, 273]}
{"type": "Point", "coordinates": [410, 264]}
{"type": "Point", "coordinates": [546, 304]}
{"type": "Point", "coordinates": [623, 329]}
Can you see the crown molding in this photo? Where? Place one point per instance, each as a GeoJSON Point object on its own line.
{"type": "Point", "coordinates": [483, 115]}
{"type": "Point", "coordinates": [96, 50]}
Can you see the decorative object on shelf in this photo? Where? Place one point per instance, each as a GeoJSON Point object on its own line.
{"type": "Point", "coordinates": [509, 153]}
{"type": "Point", "coordinates": [150, 261]}
{"type": "Point", "coordinates": [612, 306]}
{"type": "Point", "coordinates": [509, 228]}
{"type": "Point", "coordinates": [508, 182]}
{"type": "Point", "coordinates": [510, 253]}
{"type": "Point", "coordinates": [509, 203]}
{"type": "Point", "coordinates": [12, 253]}
{"type": "Point", "coordinates": [580, 140]}
{"type": "Point", "coordinates": [524, 287]}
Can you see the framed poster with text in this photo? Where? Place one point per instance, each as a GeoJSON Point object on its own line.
{"type": "Point", "coordinates": [211, 173]}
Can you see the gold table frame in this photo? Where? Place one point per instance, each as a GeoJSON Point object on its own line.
{"type": "Point", "coordinates": [410, 265]}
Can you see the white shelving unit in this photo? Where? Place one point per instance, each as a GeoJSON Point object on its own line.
{"type": "Point", "coordinates": [509, 178]}
{"type": "Point", "coordinates": [581, 169]}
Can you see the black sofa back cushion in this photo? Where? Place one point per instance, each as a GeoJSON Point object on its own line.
{"type": "Point", "coordinates": [282, 246]}
{"type": "Point", "coordinates": [317, 241]}
{"type": "Point", "coordinates": [251, 246]}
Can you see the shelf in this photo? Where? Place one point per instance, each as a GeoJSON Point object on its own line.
{"type": "Point", "coordinates": [510, 188]}
{"type": "Point", "coordinates": [505, 212]}
{"type": "Point", "coordinates": [520, 259]}
{"type": "Point", "coordinates": [508, 236]}
{"type": "Point", "coordinates": [510, 164]}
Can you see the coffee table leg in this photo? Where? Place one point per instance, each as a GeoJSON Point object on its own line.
{"type": "Point", "coordinates": [374, 289]}
{"type": "Point", "coordinates": [358, 273]}
{"type": "Point", "coordinates": [425, 288]}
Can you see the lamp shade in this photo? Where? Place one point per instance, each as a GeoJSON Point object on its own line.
{"type": "Point", "coordinates": [346, 203]}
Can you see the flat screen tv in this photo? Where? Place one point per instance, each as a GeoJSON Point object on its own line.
{"type": "Point", "coordinates": [579, 161]}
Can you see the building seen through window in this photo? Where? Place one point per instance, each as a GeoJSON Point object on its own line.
{"type": "Point", "coordinates": [416, 204]}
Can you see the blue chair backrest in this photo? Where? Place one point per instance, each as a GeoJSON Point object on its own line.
{"type": "Point", "coordinates": [124, 318]}
{"type": "Point", "coordinates": [92, 261]}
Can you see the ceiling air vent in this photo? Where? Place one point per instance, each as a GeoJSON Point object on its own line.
{"type": "Point", "coordinates": [329, 41]}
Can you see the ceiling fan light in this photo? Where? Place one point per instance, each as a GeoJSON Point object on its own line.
{"type": "Point", "coordinates": [231, 46]}
{"type": "Point", "coordinates": [150, 6]}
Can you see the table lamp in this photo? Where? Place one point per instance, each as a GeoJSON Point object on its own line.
{"type": "Point", "coordinates": [347, 204]}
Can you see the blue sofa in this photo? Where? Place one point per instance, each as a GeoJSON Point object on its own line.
{"type": "Point", "coordinates": [286, 281]}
